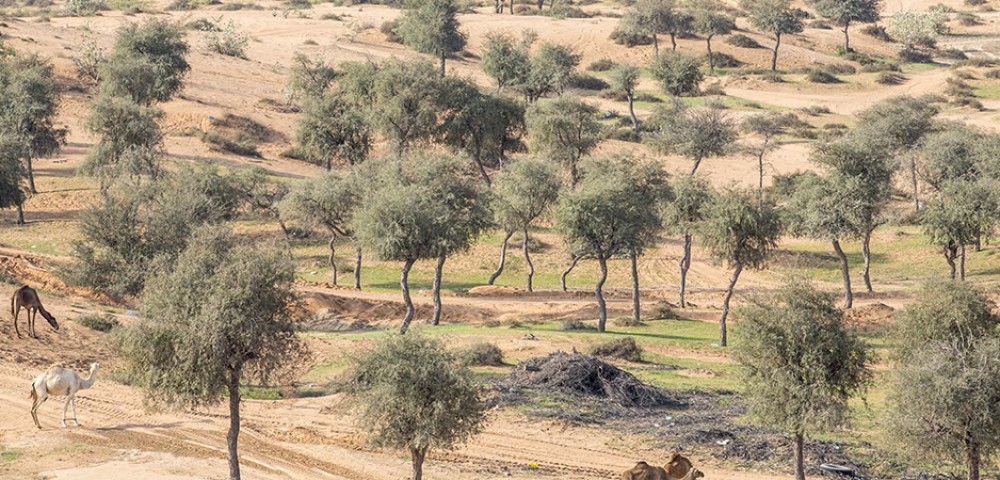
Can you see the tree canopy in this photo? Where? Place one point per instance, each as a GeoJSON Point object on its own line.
{"type": "Point", "coordinates": [430, 26]}
{"type": "Point", "coordinates": [566, 130]}
{"type": "Point", "coordinates": [775, 17]}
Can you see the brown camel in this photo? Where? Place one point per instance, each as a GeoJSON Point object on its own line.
{"type": "Point", "coordinates": [27, 298]}
{"type": "Point", "coordinates": [677, 468]}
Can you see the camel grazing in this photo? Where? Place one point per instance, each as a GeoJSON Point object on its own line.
{"type": "Point", "coordinates": [677, 468]}
{"type": "Point", "coordinates": [27, 298]}
{"type": "Point", "coordinates": [58, 380]}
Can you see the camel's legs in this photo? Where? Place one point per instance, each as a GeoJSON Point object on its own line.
{"type": "Point", "coordinates": [39, 399]}
{"type": "Point", "coordinates": [69, 398]}
{"type": "Point", "coordinates": [32, 313]}
{"type": "Point", "coordinates": [17, 312]}
{"type": "Point", "coordinates": [73, 403]}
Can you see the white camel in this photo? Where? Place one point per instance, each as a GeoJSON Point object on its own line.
{"type": "Point", "coordinates": [58, 380]}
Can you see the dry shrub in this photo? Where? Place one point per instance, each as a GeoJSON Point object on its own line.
{"type": "Point", "coordinates": [623, 348]}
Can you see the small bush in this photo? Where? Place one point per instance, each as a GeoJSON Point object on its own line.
{"type": "Point", "coordinates": [840, 69]}
{"type": "Point", "coordinates": [820, 76]}
{"type": "Point", "coordinates": [84, 8]}
{"type": "Point", "coordinates": [964, 75]}
{"type": "Point", "coordinates": [815, 110]}
{"type": "Point", "coordinates": [713, 89]}
{"type": "Point", "coordinates": [968, 19]}
{"type": "Point", "coordinates": [587, 82]}
{"type": "Point", "coordinates": [203, 25]}
{"type": "Point", "coordinates": [480, 355]}
{"type": "Point", "coordinates": [952, 54]}
{"type": "Point", "coordinates": [881, 66]}
{"type": "Point", "coordinates": [772, 77]}
{"type": "Point", "coordinates": [491, 324]}
{"type": "Point", "coordinates": [623, 348]}
{"type": "Point", "coordinates": [101, 324]}
{"type": "Point", "coordinates": [742, 41]}
{"type": "Point", "coordinates": [331, 16]}
{"type": "Point", "coordinates": [678, 74]}
{"type": "Point", "coordinates": [574, 324]}
{"type": "Point", "coordinates": [88, 62]}
{"type": "Point", "coordinates": [626, 134]}
{"type": "Point", "coordinates": [389, 29]}
{"type": "Point", "coordinates": [955, 87]}
{"type": "Point", "coordinates": [877, 31]}
{"type": "Point", "coordinates": [628, 322]}
{"type": "Point", "coordinates": [890, 78]}
{"type": "Point", "coordinates": [807, 133]}
{"type": "Point", "coordinates": [602, 65]}
{"type": "Point", "coordinates": [834, 126]}
{"type": "Point", "coordinates": [974, 3]}
{"type": "Point", "coordinates": [239, 147]}
{"type": "Point", "coordinates": [232, 7]}
{"type": "Point", "coordinates": [977, 62]}
{"type": "Point", "coordinates": [910, 55]}
{"type": "Point", "coordinates": [993, 74]}
{"type": "Point", "coordinates": [230, 41]}
{"type": "Point", "coordinates": [970, 102]}
{"type": "Point", "coordinates": [664, 311]}
{"type": "Point", "coordinates": [940, 8]}
{"type": "Point", "coordinates": [629, 39]}
{"type": "Point", "coordinates": [723, 60]}
{"type": "Point", "coordinates": [819, 24]}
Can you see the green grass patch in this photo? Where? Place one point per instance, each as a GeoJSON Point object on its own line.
{"type": "Point", "coordinates": [10, 455]}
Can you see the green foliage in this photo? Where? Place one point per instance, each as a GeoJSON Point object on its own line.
{"type": "Point", "coordinates": [483, 354]}
{"type": "Point", "coordinates": [624, 80]}
{"type": "Point", "coordinates": [737, 231]}
{"type": "Point", "coordinates": [308, 78]}
{"type": "Point", "coordinates": [551, 70]}
{"type": "Point", "coordinates": [506, 60]}
{"type": "Point", "coordinates": [129, 138]}
{"type": "Point", "coordinates": [104, 323]}
{"type": "Point", "coordinates": [602, 65]}
{"type": "Point", "coordinates": [524, 191]}
{"type": "Point", "coordinates": [13, 190]}
{"type": "Point", "coordinates": [565, 130]}
{"type": "Point", "coordinates": [230, 41]}
{"type": "Point", "coordinates": [800, 366]}
{"type": "Point", "coordinates": [663, 311]}
{"type": "Point", "coordinates": [952, 153]}
{"type": "Point", "coordinates": [328, 201]}
{"type": "Point", "coordinates": [877, 31]}
{"type": "Point", "coordinates": [85, 8]}
{"type": "Point", "coordinates": [147, 62]}
{"type": "Point", "coordinates": [431, 27]}
{"type": "Point", "coordinates": [695, 133]}
{"type": "Point", "coordinates": [484, 126]}
{"type": "Point", "coordinates": [742, 41]}
{"type": "Point", "coordinates": [411, 395]}
{"type": "Point", "coordinates": [846, 12]}
{"type": "Point", "coordinates": [623, 348]}
{"type": "Point", "coordinates": [615, 209]}
{"type": "Point", "coordinates": [917, 29]}
{"type": "Point", "coordinates": [678, 74]}
{"type": "Point", "coordinates": [962, 213]}
{"type": "Point", "coordinates": [816, 75]}
{"type": "Point", "coordinates": [134, 225]}
{"type": "Point", "coordinates": [773, 16]}
{"type": "Point", "coordinates": [420, 206]}
{"type": "Point", "coordinates": [944, 387]}
{"type": "Point", "coordinates": [903, 120]}
{"type": "Point", "coordinates": [691, 197]}
{"type": "Point", "coordinates": [331, 127]}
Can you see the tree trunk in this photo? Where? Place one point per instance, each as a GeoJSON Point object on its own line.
{"type": "Point", "coordinates": [233, 437]}
{"type": "Point", "coordinates": [685, 265]}
{"type": "Point", "coordinates": [973, 458]}
{"type": "Point", "coordinates": [329, 163]}
{"type": "Point", "coordinates": [636, 307]}
{"type": "Point", "coordinates": [574, 175]}
{"type": "Point", "coordinates": [527, 259]}
{"type": "Point", "coordinates": [599, 291]}
{"type": "Point", "coordinates": [774, 58]}
{"type": "Point", "coordinates": [711, 61]}
{"type": "Point", "coordinates": [572, 265]}
{"type": "Point", "coordinates": [442, 65]}
{"type": "Point", "coordinates": [417, 459]}
{"type": "Point", "coordinates": [333, 264]}
{"type": "Point", "coordinates": [482, 170]}
{"type": "Point", "coordinates": [695, 165]}
{"type": "Point", "coordinates": [800, 471]}
{"type": "Point", "coordinates": [760, 180]}
{"type": "Point", "coordinates": [961, 263]}
{"type": "Point", "coordinates": [31, 176]}
{"type": "Point", "coordinates": [631, 113]}
{"type": "Point", "coordinates": [503, 256]}
{"type": "Point", "coordinates": [725, 303]}
{"type": "Point", "coordinates": [511, 7]}
{"type": "Point", "coordinates": [847, 38]}
{"type": "Point", "coordinates": [979, 242]}
{"type": "Point", "coordinates": [673, 42]}
{"type": "Point", "coordinates": [357, 267]}
{"type": "Point", "coordinates": [656, 46]}
{"type": "Point", "coordinates": [20, 214]}
{"type": "Point", "coordinates": [866, 252]}
{"type": "Point", "coordinates": [404, 283]}
{"type": "Point", "coordinates": [436, 288]}
{"type": "Point", "coordinates": [913, 178]}
{"type": "Point", "coordinates": [949, 256]}
{"type": "Point", "coordinates": [845, 272]}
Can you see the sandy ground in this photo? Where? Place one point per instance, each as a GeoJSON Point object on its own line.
{"type": "Point", "coordinates": [307, 438]}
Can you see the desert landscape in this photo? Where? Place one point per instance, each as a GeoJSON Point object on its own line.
{"type": "Point", "coordinates": [237, 112]}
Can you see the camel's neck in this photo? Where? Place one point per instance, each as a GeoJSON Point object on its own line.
{"type": "Point", "coordinates": [89, 381]}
